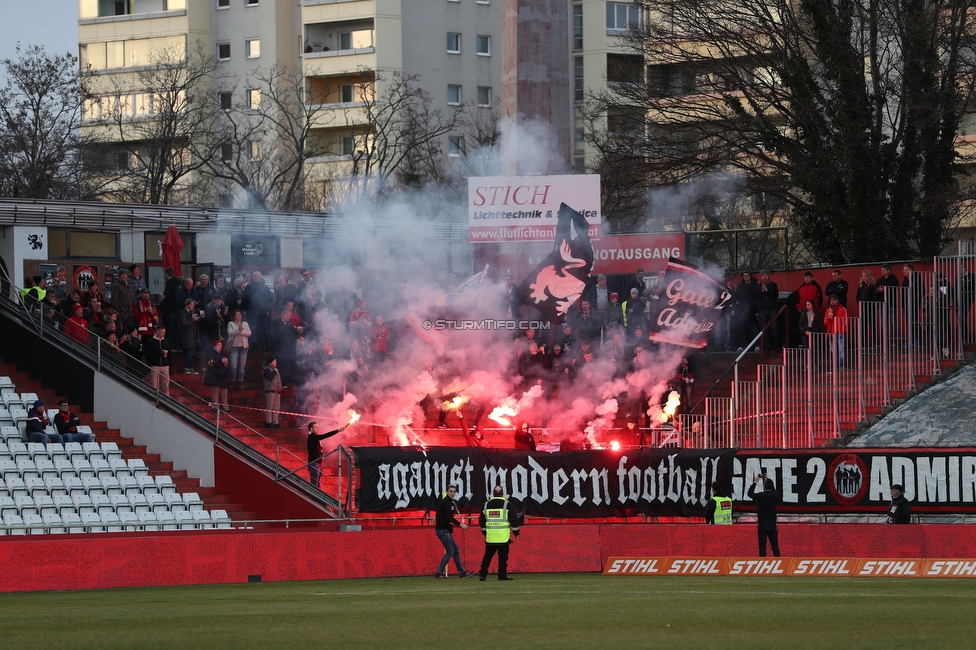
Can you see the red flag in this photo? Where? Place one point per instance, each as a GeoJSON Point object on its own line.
{"type": "Point", "coordinates": [172, 245]}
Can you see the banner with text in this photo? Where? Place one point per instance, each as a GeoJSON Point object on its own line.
{"type": "Point", "coordinates": [658, 482]}
{"type": "Point", "coordinates": [524, 208]}
{"type": "Point", "coordinates": [690, 305]}
{"type": "Point", "coordinates": [860, 480]}
{"type": "Point", "coordinates": [812, 567]}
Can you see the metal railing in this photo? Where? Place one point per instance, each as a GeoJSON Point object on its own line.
{"type": "Point", "coordinates": [167, 394]}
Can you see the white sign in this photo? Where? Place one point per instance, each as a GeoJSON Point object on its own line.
{"type": "Point", "coordinates": [525, 208]}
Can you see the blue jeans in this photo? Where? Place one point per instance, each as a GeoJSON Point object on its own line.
{"type": "Point", "coordinates": [44, 438]}
{"type": "Point", "coordinates": [238, 359]}
{"type": "Point", "coordinates": [78, 437]}
{"type": "Point", "coordinates": [450, 550]}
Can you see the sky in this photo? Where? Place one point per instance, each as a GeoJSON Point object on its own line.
{"type": "Point", "coordinates": [51, 23]}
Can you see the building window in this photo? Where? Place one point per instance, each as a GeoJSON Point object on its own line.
{"type": "Point", "coordinates": [122, 159]}
{"type": "Point", "coordinates": [578, 88]}
{"type": "Point", "coordinates": [251, 3]}
{"type": "Point", "coordinates": [223, 51]}
{"type": "Point", "coordinates": [347, 145]}
{"type": "Point", "coordinates": [482, 2]}
{"type": "Point", "coordinates": [255, 149]}
{"type": "Point", "coordinates": [484, 45]}
{"type": "Point", "coordinates": [225, 101]}
{"type": "Point", "coordinates": [226, 153]}
{"type": "Point", "coordinates": [346, 93]}
{"type": "Point", "coordinates": [455, 146]}
{"type": "Point", "coordinates": [484, 95]}
{"type": "Point", "coordinates": [76, 243]}
{"type": "Point", "coordinates": [453, 94]}
{"type": "Point", "coordinates": [223, 4]}
{"type": "Point", "coordinates": [254, 98]}
{"type": "Point", "coordinates": [577, 27]}
{"type": "Point", "coordinates": [621, 16]}
{"type": "Point", "coordinates": [252, 48]}
{"type": "Point", "coordinates": [453, 43]}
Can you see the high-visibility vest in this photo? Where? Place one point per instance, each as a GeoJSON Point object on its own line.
{"type": "Point", "coordinates": [723, 509]}
{"type": "Point", "coordinates": [497, 528]}
{"type": "Point", "coordinates": [41, 293]}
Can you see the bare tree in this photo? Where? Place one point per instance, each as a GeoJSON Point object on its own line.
{"type": "Point", "coordinates": [40, 106]}
{"type": "Point", "coordinates": [162, 125]}
{"type": "Point", "coordinates": [848, 111]}
{"type": "Point", "coordinates": [265, 138]}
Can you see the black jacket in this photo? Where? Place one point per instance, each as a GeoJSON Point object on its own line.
{"type": "Point", "coordinates": [153, 350]}
{"type": "Point", "coordinates": [312, 444]}
{"type": "Point", "coordinates": [444, 516]}
{"type": "Point", "coordinates": [766, 502]}
{"type": "Point", "coordinates": [68, 424]}
{"type": "Point", "coordinates": [900, 511]}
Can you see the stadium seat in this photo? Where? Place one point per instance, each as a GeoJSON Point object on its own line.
{"type": "Point", "coordinates": [45, 467]}
{"type": "Point", "coordinates": [9, 432]}
{"type": "Point", "coordinates": [17, 448]}
{"type": "Point", "coordinates": [101, 467]}
{"type": "Point", "coordinates": [129, 485]}
{"type": "Point", "coordinates": [220, 519]}
{"type": "Point", "coordinates": [111, 521]}
{"type": "Point", "coordinates": [7, 505]}
{"type": "Point", "coordinates": [53, 523]}
{"type": "Point", "coordinates": [174, 502]}
{"type": "Point", "coordinates": [18, 415]}
{"type": "Point", "coordinates": [74, 449]}
{"type": "Point", "coordinates": [8, 465]}
{"type": "Point", "coordinates": [73, 485]}
{"type": "Point", "coordinates": [33, 523]}
{"type": "Point", "coordinates": [82, 467]}
{"type": "Point", "coordinates": [56, 450]}
{"type": "Point", "coordinates": [111, 485]}
{"type": "Point", "coordinates": [185, 520]}
{"type": "Point", "coordinates": [166, 520]}
{"type": "Point", "coordinates": [138, 467]}
{"type": "Point", "coordinates": [14, 524]}
{"type": "Point", "coordinates": [92, 484]}
{"type": "Point", "coordinates": [92, 521]}
{"type": "Point", "coordinates": [10, 398]}
{"type": "Point", "coordinates": [72, 520]}
{"type": "Point", "coordinates": [28, 399]}
{"type": "Point", "coordinates": [101, 503]}
{"type": "Point", "coordinates": [202, 519]}
{"type": "Point", "coordinates": [129, 521]}
{"type": "Point", "coordinates": [147, 485]}
{"type": "Point", "coordinates": [63, 465]}
{"type": "Point", "coordinates": [6, 385]}
{"type": "Point", "coordinates": [91, 448]}
{"type": "Point", "coordinates": [25, 464]}
{"type": "Point", "coordinates": [157, 503]}
{"type": "Point", "coordinates": [193, 501]}
{"type": "Point", "coordinates": [5, 418]}
{"type": "Point", "coordinates": [34, 483]}
{"type": "Point", "coordinates": [148, 521]}
{"type": "Point", "coordinates": [165, 484]}
{"type": "Point", "coordinates": [55, 485]}
{"type": "Point", "coordinates": [111, 450]}
{"type": "Point", "coordinates": [84, 428]}
{"type": "Point", "coordinates": [62, 501]}
{"type": "Point", "coordinates": [35, 449]}
{"type": "Point", "coordinates": [15, 484]}
{"type": "Point", "coordinates": [120, 503]}
{"type": "Point", "coordinates": [23, 501]}
{"type": "Point", "coordinates": [82, 503]}
{"type": "Point", "coordinates": [119, 467]}
{"type": "Point", "coordinates": [138, 503]}
{"type": "Point", "coordinates": [44, 503]}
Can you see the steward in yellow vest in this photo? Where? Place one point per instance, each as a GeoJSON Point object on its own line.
{"type": "Point", "coordinates": [719, 508]}
{"type": "Point", "coordinates": [498, 521]}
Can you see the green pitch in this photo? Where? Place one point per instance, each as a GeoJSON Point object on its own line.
{"type": "Point", "coordinates": [538, 610]}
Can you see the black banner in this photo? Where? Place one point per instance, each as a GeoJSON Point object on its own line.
{"type": "Point", "coordinates": [658, 482]}
{"type": "Point", "coordinates": [690, 305]}
{"type": "Point", "coordinates": [859, 480]}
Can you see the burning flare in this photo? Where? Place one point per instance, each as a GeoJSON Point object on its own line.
{"type": "Point", "coordinates": [456, 403]}
{"type": "Point", "coordinates": [674, 401]}
{"type": "Point", "coordinates": [353, 418]}
{"type": "Point", "coordinates": [509, 408]}
{"type": "Point", "coordinates": [502, 414]}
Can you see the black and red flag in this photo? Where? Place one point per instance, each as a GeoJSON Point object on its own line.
{"type": "Point", "coordinates": [691, 304]}
{"type": "Point", "coordinates": [557, 283]}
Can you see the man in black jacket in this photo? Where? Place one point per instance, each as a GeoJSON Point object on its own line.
{"type": "Point", "coordinates": [900, 510]}
{"type": "Point", "coordinates": [444, 522]}
{"type": "Point", "coordinates": [314, 447]}
{"type": "Point", "coordinates": [766, 502]}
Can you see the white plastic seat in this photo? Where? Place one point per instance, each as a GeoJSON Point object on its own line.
{"type": "Point", "coordinates": [192, 501]}
{"type": "Point", "coordinates": [154, 500]}
{"type": "Point", "coordinates": [44, 503]}
{"type": "Point", "coordinates": [8, 465]}
{"type": "Point", "coordinates": [120, 503]}
{"type": "Point", "coordinates": [220, 519]}
{"type": "Point", "coordinates": [202, 519]}
{"type": "Point", "coordinates": [148, 520]}
{"type": "Point", "coordinates": [82, 467]}
{"type": "Point", "coordinates": [14, 524]}
{"type": "Point", "coordinates": [92, 484]}
{"type": "Point", "coordinates": [17, 448]}
{"type": "Point", "coordinates": [174, 502]}
{"type": "Point", "coordinates": [34, 483]}
{"type": "Point", "coordinates": [25, 464]}
{"type": "Point", "coordinates": [23, 501]}
{"type": "Point", "coordinates": [129, 520]}
{"type": "Point", "coordinates": [84, 428]}
{"type": "Point", "coordinates": [101, 503]}
{"type": "Point", "coordinates": [18, 415]}
{"type": "Point", "coordinates": [92, 521]}
{"type": "Point", "coordinates": [10, 398]}
{"type": "Point", "coordinates": [100, 466]}
{"type": "Point", "coordinates": [91, 448]}
{"type": "Point", "coordinates": [111, 521]}
{"type": "Point", "coordinates": [62, 465]}
{"type": "Point", "coordinates": [82, 503]}
{"type": "Point", "coordinates": [54, 485]}
{"type": "Point", "coordinates": [28, 399]}
{"type": "Point", "coordinates": [165, 484]}
{"type": "Point", "coordinates": [184, 520]}
{"type": "Point", "coordinates": [6, 384]}
{"type": "Point", "coordinates": [72, 521]}
{"type": "Point", "coordinates": [7, 505]}
{"type": "Point", "coordinates": [33, 523]}
{"type": "Point", "coordinates": [138, 467]}
{"type": "Point", "coordinates": [148, 485]}
{"type": "Point", "coordinates": [73, 485]}
{"type": "Point", "coordinates": [45, 467]}
{"type": "Point", "coordinates": [56, 450]}
{"type": "Point", "coordinates": [9, 432]}
{"type": "Point", "coordinates": [14, 483]}
{"type": "Point", "coordinates": [110, 449]}
{"type": "Point", "coordinates": [129, 485]}
{"type": "Point", "coordinates": [36, 449]}
{"type": "Point", "coordinates": [73, 449]}
{"type": "Point", "coordinates": [53, 522]}
{"type": "Point", "coordinates": [62, 501]}
{"type": "Point", "coordinates": [166, 520]}
{"type": "Point", "coordinates": [111, 485]}
{"type": "Point", "coordinates": [138, 503]}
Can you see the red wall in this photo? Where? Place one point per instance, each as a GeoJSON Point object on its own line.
{"type": "Point", "coordinates": [212, 557]}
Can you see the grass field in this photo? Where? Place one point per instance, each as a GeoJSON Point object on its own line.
{"type": "Point", "coordinates": [537, 610]}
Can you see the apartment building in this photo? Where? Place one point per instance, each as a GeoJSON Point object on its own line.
{"type": "Point", "coordinates": [345, 49]}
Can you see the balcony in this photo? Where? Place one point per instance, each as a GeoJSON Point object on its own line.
{"type": "Point", "coordinates": [327, 64]}
{"type": "Point", "coordinates": [109, 11]}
